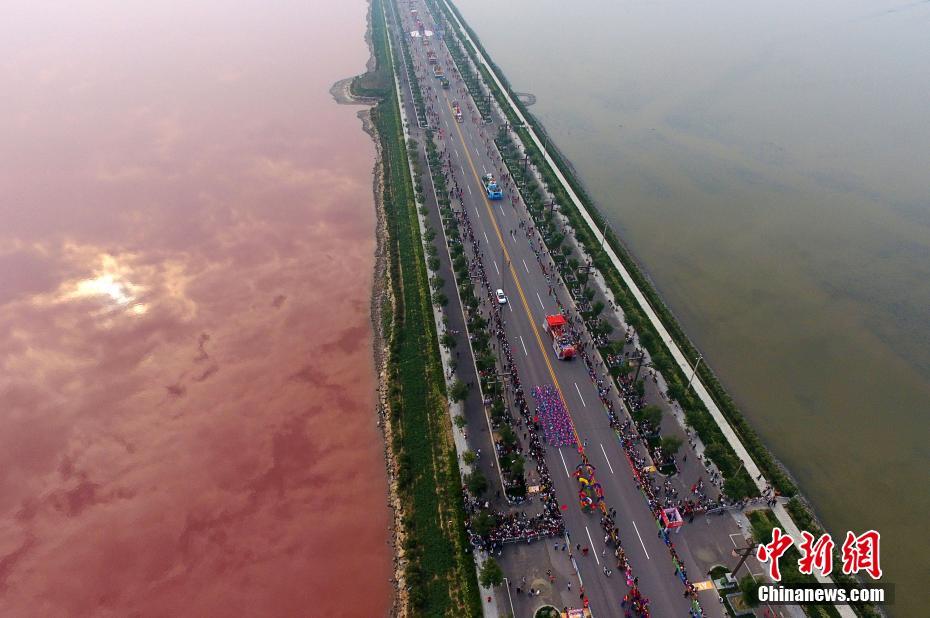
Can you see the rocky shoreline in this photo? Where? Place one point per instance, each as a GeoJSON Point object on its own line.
{"type": "Point", "coordinates": [382, 300]}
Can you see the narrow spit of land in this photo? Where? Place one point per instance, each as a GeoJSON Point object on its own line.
{"type": "Point", "coordinates": [623, 285]}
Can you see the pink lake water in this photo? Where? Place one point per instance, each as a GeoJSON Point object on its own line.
{"type": "Point", "coordinates": [187, 390]}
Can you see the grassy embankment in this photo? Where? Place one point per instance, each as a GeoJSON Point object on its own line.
{"type": "Point", "coordinates": [439, 571]}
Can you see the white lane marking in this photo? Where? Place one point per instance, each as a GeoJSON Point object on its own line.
{"type": "Point", "coordinates": [641, 541]}
{"type": "Point", "coordinates": [605, 458]}
{"type": "Point", "coordinates": [523, 344]}
{"type": "Point", "coordinates": [564, 465]}
{"type": "Point", "coordinates": [488, 240]}
{"type": "Point", "coordinates": [476, 152]}
{"type": "Point", "coordinates": [591, 541]}
{"type": "Point", "coordinates": [525, 267]}
{"type": "Point", "coordinates": [469, 189]}
{"type": "Point", "coordinates": [496, 268]}
{"type": "Point", "coordinates": [579, 394]}
{"type": "Point", "coordinates": [540, 301]}
{"type": "Point", "coordinates": [510, 306]}
{"type": "Point", "coordinates": [461, 168]}
{"type": "Point", "coordinates": [512, 613]}
{"type": "Point", "coordinates": [501, 209]}
{"type": "Point", "coordinates": [478, 212]}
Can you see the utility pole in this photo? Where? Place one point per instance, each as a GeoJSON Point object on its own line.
{"type": "Point", "coordinates": [694, 372]}
{"type": "Point", "coordinates": [742, 464]}
{"type": "Point", "coordinates": [642, 356]}
{"type": "Point", "coordinates": [744, 553]}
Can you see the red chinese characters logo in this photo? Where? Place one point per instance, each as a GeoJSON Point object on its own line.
{"type": "Point", "coordinates": [860, 553]}
{"type": "Point", "coordinates": [771, 552]}
{"type": "Point", "coordinates": [817, 554]}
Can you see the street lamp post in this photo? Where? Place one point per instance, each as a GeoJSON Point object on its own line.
{"type": "Point", "coordinates": [694, 372]}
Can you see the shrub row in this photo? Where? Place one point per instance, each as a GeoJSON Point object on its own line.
{"type": "Point", "coordinates": [439, 570]}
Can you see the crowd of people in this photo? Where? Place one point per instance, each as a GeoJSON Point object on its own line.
{"type": "Point", "coordinates": [553, 421]}
{"type": "Point", "coordinates": [551, 414]}
{"type": "Point", "coordinates": [509, 527]}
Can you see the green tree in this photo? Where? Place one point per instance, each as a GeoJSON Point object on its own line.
{"type": "Point", "coordinates": [750, 590]}
{"type": "Point", "coordinates": [670, 445]}
{"type": "Point", "coordinates": [459, 391]}
{"type": "Point", "coordinates": [677, 392]}
{"type": "Point", "coordinates": [491, 574]}
{"type": "Point", "coordinates": [469, 457]}
{"type": "Point", "coordinates": [483, 523]}
{"type": "Point", "coordinates": [651, 414]}
{"type": "Point", "coordinates": [515, 467]}
{"type": "Point", "coordinates": [476, 483]}
{"type": "Point", "coordinates": [508, 436]}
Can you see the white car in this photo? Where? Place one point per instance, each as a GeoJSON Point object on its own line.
{"type": "Point", "coordinates": [501, 298]}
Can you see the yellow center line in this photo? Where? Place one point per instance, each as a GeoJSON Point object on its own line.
{"type": "Point", "coordinates": [516, 279]}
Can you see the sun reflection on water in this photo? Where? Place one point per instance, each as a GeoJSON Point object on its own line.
{"type": "Point", "coordinates": [111, 285]}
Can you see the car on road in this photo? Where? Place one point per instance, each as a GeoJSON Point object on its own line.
{"type": "Point", "coordinates": [493, 189]}
{"type": "Point", "coordinates": [501, 297]}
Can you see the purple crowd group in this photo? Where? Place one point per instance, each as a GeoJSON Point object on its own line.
{"type": "Point", "coordinates": [557, 426]}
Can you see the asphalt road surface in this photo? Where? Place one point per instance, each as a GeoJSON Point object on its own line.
{"type": "Point", "coordinates": [512, 265]}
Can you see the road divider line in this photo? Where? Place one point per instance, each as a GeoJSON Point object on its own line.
{"type": "Point", "coordinates": [564, 465]}
{"type": "Point", "coordinates": [591, 541]}
{"type": "Point", "coordinates": [512, 612]}
{"type": "Point", "coordinates": [579, 394]}
{"type": "Point", "coordinates": [526, 306]}
{"type": "Point", "coordinates": [606, 459]}
{"type": "Point", "coordinates": [641, 540]}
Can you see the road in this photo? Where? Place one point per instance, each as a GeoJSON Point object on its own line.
{"type": "Point", "coordinates": [512, 265]}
